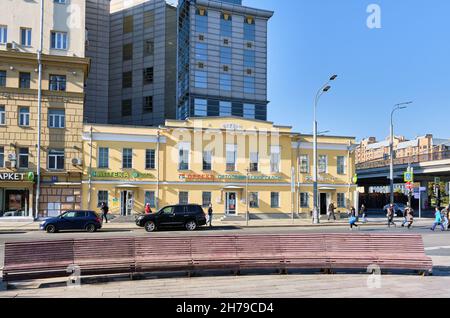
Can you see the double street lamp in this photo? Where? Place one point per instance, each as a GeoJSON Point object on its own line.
{"type": "Point", "coordinates": [325, 88]}
{"type": "Point", "coordinates": [391, 146]}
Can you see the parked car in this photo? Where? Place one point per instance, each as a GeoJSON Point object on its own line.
{"type": "Point", "coordinates": [88, 221]}
{"type": "Point", "coordinates": [399, 209]}
{"type": "Point", "coordinates": [189, 216]}
{"type": "Point", "coordinates": [13, 213]}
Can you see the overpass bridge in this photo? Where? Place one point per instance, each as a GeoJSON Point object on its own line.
{"type": "Point", "coordinates": [426, 168]}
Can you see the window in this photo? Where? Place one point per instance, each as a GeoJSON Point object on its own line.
{"type": "Point", "coordinates": [253, 161]}
{"type": "Point", "coordinates": [127, 158]}
{"type": "Point", "coordinates": [102, 197]}
{"type": "Point", "coordinates": [2, 78]}
{"type": "Point", "coordinates": [127, 79]}
{"type": "Point", "coordinates": [57, 83]}
{"type": "Point", "coordinates": [2, 157]}
{"type": "Point", "coordinates": [60, 1]}
{"type": "Point", "coordinates": [127, 106]}
{"type": "Point", "coordinates": [225, 55]}
{"type": "Point", "coordinates": [226, 25]}
{"type": "Point", "coordinates": [207, 160]}
{"type": "Point", "coordinates": [148, 75]}
{"type": "Point", "coordinates": [59, 40]}
{"type": "Point", "coordinates": [275, 159]}
{"type": "Point", "coordinates": [225, 82]}
{"type": "Point", "coordinates": [304, 200]}
{"type": "Point", "coordinates": [148, 104]}
{"type": "Point", "coordinates": [249, 85]}
{"type": "Point", "coordinates": [231, 152]}
{"type": "Point", "coordinates": [249, 29]}
{"type": "Point", "coordinates": [127, 52]}
{"type": "Point", "coordinates": [24, 80]}
{"type": "Point", "coordinates": [206, 199]}
{"type": "Point", "coordinates": [103, 158]}
{"type": "Point", "coordinates": [2, 116]}
{"type": "Point", "coordinates": [200, 107]}
{"type": "Point", "coordinates": [341, 165]}
{"type": "Point", "coordinates": [341, 200]}
{"type": "Point", "coordinates": [24, 116]}
{"type": "Point", "coordinates": [183, 156]}
{"type": "Point", "coordinates": [149, 19]}
{"type": "Point", "coordinates": [274, 199]}
{"type": "Point", "coordinates": [149, 47]}
{"type": "Point", "coordinates": [253, 200]}
{"type": "Point", "coordinates": [127, 24]}
{"type": "Point", "coordinates": [201, 20]}
{"type": "Point", "coordinates": [200, 79]}
{"type": "Point", "coordinates": [249, 59]}
{"type": "Point", "coordinates": [150, 159]}
{"type": "Point", "coordinates": [304, 164]}
{"type": "Point", "coordinates": [3, 34]}
{"type": "Point", "coordinates": [183, 198]}
{"type": "Point", "coordinates": [201, 52]}
{"type": "Point", "coordinates": [225, 109]}
{"type": "Point", "coordinates": [249, 111]}
{"type": "Point", "coordinates": [150, 198]}
{"type": "Point", "coordinates": [56, 159]}
{"type": "Point", "coordinates": [56, 118]}
{"type": "Point", "coordinates": [323, 164]}
{"type": "Point", "coordinates": [23, 157]}
{"type": "Point", "coordinates": [25, 36]}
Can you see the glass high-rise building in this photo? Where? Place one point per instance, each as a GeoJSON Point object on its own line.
{"type": "Point", "coordinates": [222, 59]}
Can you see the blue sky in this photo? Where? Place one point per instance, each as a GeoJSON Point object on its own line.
{"type": "Point", "coordinates": [407, 59]}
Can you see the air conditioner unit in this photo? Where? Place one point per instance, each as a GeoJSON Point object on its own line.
{"type": "Point", "coordinates": [12, 156]}
{"type": "Point", "coordinates": [76, 161]}
{"type": "Point", "coordinates": [11, 46]}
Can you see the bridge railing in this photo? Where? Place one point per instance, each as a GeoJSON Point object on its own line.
{"type": "Point", "coordinates": [434, 156]}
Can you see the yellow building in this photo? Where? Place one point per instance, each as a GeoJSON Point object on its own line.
{"type": "Point", "coordinates": [216, 161]}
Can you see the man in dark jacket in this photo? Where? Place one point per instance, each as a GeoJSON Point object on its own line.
{"type": "Point", "coordinates": [210, 215]}
{"type": "Point", "coordinates": [105, 211]}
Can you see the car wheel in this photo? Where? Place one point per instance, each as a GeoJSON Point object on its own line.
{"type": "Point", "coordinates": [51, 229]}
{"type": "Point", "coordinates": [90, 228]}
{"type": "Point", "coordinates": [191, 226]}
{"type": "Point", "coordinates": [150, 226]}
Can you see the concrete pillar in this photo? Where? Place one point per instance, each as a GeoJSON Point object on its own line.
{"type": "Point", "coordinates": [424, 195]}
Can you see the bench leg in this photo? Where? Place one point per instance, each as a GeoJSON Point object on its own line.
{"type": "Point", "coordinates": [237, 272]}
{"type": "Point", "coordinates": [282, 271]}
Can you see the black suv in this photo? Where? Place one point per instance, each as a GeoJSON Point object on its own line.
{"type": "Point", "coordinates": [189, 216]}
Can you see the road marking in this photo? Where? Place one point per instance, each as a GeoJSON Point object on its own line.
{"type": "Point", "coordinates": [437, 248]}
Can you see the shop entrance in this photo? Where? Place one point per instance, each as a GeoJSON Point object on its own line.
{"type": "Point", "coordinates": [230, 203]}
{"type": "Point", "coordinates": [126, 202]}
{"type": "Point", "coordinates": [323, 204]}
{"type": "Point", "coordinates": [16, 200]}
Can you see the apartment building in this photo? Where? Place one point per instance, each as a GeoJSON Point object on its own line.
{"type": "Point", "coordinates": [64, 71]}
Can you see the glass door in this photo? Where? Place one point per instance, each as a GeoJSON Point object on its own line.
{"type": "Point", "coordinates": [230, 205]}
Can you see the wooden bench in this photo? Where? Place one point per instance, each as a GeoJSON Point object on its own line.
{"type": "Point", "coordinates": [326, 252]}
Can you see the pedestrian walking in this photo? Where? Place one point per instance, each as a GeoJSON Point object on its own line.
{"type": "Point", "coordinates": [444, 216]}
{"type": "Point", "coordinates": [353, 218]}
{"type": "Point", "coordinates": [148, 209]}
{"type": "Point", "coordinates": [390, 216]}
{"type": "Point", "coordinates": [437, 220]}
{"type": "Point", "coordinates": [330, 212]}
{"type": "Point", "coordinates": [409, 217]}
{"type": "Point", "coordinates": [364, 213]}
{"type": "Point", "coordinates": [210, 215]}
{"type": "Point", "coordinates": [448, 215]}
{"type": "Point", "coordinates": [105, 210]}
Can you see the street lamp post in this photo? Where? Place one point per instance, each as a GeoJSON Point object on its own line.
{"type": "Point", "coordinates": [325, 88]}
{"type": "Point", "coordinates": [391, 146]}
{"type": "Point", "coordinates": [246, 195]}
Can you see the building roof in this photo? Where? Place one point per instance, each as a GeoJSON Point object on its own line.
{"type": "Point", "coordinates": [378, 145]}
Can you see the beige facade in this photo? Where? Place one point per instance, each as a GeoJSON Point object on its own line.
{"type": "Point", "coordinates": [68, 18]}
{"type": "Point", "coordinates": [205, 161]}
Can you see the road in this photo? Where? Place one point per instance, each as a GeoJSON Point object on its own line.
{"type": "Point", "coordinates": [252, 284]}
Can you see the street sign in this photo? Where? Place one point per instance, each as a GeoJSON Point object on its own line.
{"type": "Point", "coordinates": [409, 185]}
{"type": "Point", "coordinates": [408, 176]}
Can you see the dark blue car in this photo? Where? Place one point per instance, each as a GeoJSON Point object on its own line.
{"type": "Point", "coordinates": [73, 220]}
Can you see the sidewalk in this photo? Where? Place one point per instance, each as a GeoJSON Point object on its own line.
{"type": "Point", "coordinates": [307, 223]}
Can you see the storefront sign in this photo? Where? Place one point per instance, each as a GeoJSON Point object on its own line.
{"type": "Point", "coordinates": [231, 126]}
{"type": "Point", "coordinates": [121, 175]}
{"type": "Point", "coordinates": [6, 176]}
{"type": "Point", "coordinates": [322, 179]}
{"type": "Point", "coordinates": [211, 177]}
